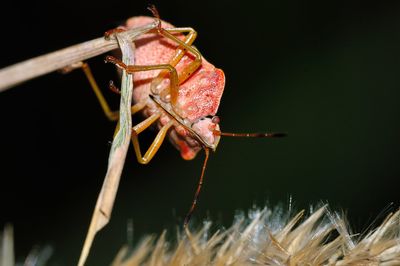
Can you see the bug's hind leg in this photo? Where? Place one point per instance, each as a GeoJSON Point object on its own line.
{"type": "Point", "coordinates": [111, 115]}
{"type": "Point", "coordinates": [155, 145]}
{"type": "Point", "coordinates": [182, 49]}
{"type": "Point", "coordinates": [184, 46]}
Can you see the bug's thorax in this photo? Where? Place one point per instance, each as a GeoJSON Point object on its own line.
{"type": "Point", "coordinates": [197, 100]}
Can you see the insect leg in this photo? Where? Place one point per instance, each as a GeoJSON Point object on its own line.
{"type": "Point", "coordinates": [199, 185]}
{"type": "Point", "coordinates": [111, 115]}
{"type": "Point", "coordinates": [179, 53]}
{"type": "Point", "coordinates": [155, 145]}
{"type": "Point", "coordinates": [173, 75]}
{"type": "Point", "coordinates": [184, 46]}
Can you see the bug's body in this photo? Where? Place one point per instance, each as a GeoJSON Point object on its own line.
{"type": "Point", "coordinates": [198, 96]}
{"type": "Point", "coordinates": [176, 89]}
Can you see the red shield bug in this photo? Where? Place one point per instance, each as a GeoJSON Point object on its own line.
{"type": "Point", "coordinates": [176, 89]}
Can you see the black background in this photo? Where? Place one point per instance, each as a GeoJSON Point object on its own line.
{"type": "Point", "coordinates": [326, 72]}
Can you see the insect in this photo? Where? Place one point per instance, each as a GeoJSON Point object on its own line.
{"type": "Point", "coordinates": [176, 89]}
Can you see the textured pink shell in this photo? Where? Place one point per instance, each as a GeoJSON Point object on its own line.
{"type": "Point", "coordinates": [199, 96]}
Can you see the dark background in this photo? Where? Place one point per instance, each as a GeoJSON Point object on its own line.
{"type": "Point", "coordinates": [326, 72]}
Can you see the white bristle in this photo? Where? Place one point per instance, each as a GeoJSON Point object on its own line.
{"type": "Point", "coordinates": [273, 237]}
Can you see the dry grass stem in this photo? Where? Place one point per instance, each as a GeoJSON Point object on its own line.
{"type": "Point", "coordinates": [44, 64]}
{"type": "Point", "coordinates": [7, 246]}
{"type": "Point", "coordinates": [119, 148]}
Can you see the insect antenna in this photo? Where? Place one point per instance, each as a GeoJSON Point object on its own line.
{"type": "Point", "coordinates": [199, 185]}
{"type": "Point", "coordinates": [250, 135]}
{"type": "Point", "coordinates": [154, 11]}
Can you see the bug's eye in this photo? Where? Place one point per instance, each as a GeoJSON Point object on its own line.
{"type": "Point", "coordinates": [216, 120]}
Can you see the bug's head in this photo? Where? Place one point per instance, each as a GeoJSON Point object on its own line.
{"type": "Point", "coordinates": [189, 140]}
{"type": "Point", "coordinates": [206, 129]}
